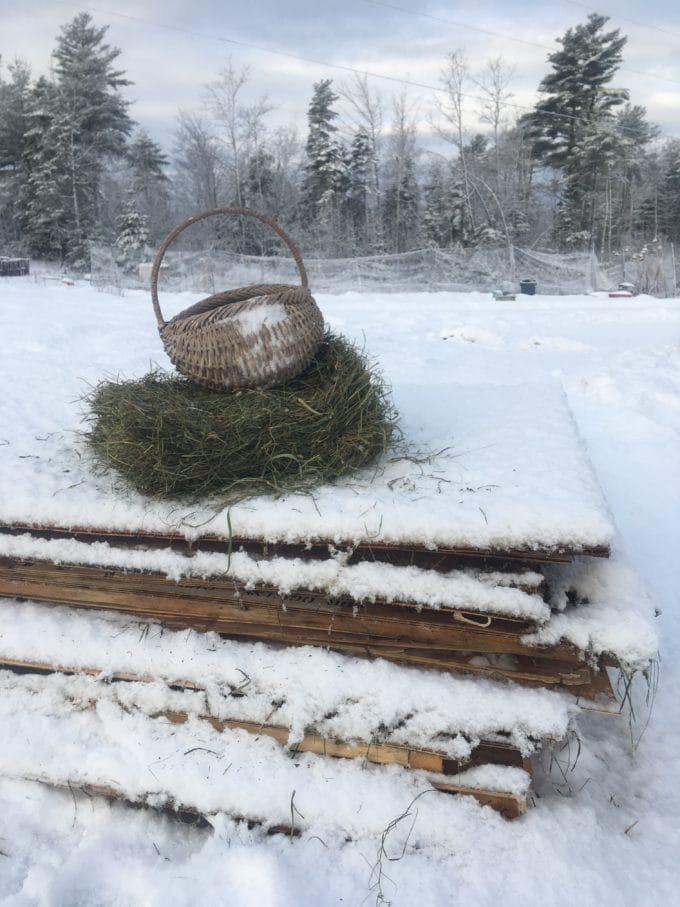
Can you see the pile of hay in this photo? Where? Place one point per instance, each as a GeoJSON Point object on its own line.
{"type": "Point", "coordinates": [169, 437]}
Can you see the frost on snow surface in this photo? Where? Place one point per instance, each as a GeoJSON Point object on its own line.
{"type": "Point", "coordinates": [492, 451]}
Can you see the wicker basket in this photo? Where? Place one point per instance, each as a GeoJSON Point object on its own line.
{"type": "Point", "coordinates": [256, 336]}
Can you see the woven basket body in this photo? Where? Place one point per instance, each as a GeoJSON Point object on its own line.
{"type": "Point", "coordinates": [256, 336]}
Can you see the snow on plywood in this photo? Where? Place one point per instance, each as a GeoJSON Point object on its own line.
{"type": "Point", "coordinates": [611, 616]}
{"type": "Point", "coordinates": [493, 468]}
{"type": "Point", "coordinates": [600, 608]}
{"type": "Point", "coordinates": [481, 466]}
{"type": "Point", "coordinates": [337, 695]}
{"type": "Point", "coordinates": [60, 738]}
{"type": "Point", "coordinates": [472, 590]}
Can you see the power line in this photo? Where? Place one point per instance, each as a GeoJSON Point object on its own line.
{"type": "Point", "coordinates": [246, 44]}
{"type": "Point", "coordinates": [324, 63]}
{"type": "Point", "coordinates": [446, 21]}
{"type": "Point", "coordinates": [603, 12]}
{"type": "Point", "coordinates": [278, 53]}
{"type": "Point", "coordinates": [495, 34]}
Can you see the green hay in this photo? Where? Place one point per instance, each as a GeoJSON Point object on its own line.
{"type": "Point", "coordinates": [168, 437]}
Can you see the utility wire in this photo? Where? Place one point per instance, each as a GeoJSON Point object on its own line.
{"type": "Point", "coordinates": [247, 44]}
{"type": "Point", "coordinates": [485, 31]}
{"type": "Point", "coordinates": [603, 12]}
{"type": "Point", "coordinates": [324, 63]}
{"type": "Point", "coordinates": [447, 21]}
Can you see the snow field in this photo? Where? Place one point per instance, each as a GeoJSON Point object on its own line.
{"type": "Point", "coordinates": [604, 832]}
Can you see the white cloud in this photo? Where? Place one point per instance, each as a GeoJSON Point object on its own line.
{"type": "Point", "coordinates": [172, 48]}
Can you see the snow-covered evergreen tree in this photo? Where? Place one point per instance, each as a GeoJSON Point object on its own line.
{"type": "Point", "coordinates": [326, 176]}
{"type": "Point", "coordinates": [14, 100]}
{"type": "Point", "coordinates": [94, 116]}
{"type": "Point", "coordinates": [44, 196]}
{"type": "Point", "coordinates": [360, 170]}
{"type": "Point", "coordinates": [577, 96]}
{"type": "Point", "coordinates": [14, 103]}
{"type": "Point", "coordinates": [573, 127]}
{"type": "Point", "coordinates": [132, 241]}
{"type": "Point", "coordinates": [148, 183]}
{"type": "Point", "coordinates": [364, 111]}
{"type": "Point", "coordinates": [669, 197]}
{"type": "Point", "coordinates": [401, 203]}
{"type": "Point", "coordinates": [436, 220]}
{"type": "Point", "coordinates": [446, 221]}
{"type": "Point", "coordinates": [147, 163]}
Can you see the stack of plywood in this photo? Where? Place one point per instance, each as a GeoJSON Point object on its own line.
{"type": "Point", "coordinates": [449, 623]}
{"type": "Point", "coordinates": [481, 624]}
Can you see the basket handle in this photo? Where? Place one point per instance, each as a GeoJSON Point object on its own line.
{"type": "Point", "coordinates": [265, 218]}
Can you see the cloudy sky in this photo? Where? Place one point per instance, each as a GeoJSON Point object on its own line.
{"type": "Point", "coordinates": [172, 48]}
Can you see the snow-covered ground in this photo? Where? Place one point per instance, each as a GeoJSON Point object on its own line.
{"type": "Point", "coordinates": [607, 831]}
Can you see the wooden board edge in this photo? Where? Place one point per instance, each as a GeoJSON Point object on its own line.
{"type": "Point", "coordinates": [374, 751]}
{"type": "Point", "coordinates": [369, 549]}
{"type": "Point", "coordinates": [509, 805]}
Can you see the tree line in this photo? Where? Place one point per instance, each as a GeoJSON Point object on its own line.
{"type": "Point", "coordinates": [582, 170]}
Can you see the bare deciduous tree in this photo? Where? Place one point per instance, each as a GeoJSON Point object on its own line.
{"type": "Point", "coordinates": [451, 125]}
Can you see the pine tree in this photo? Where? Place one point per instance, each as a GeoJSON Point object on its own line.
{"type": "Point", "coordinates": [90, 86]}
{"type": "Point", "coordinates": [14, 103]}
{"type": "Point", "coordinates": [577, 96]}
{"type": "Point", "coordinates": [436, 221]}
{"type": "Point", "coordinates": [133, 236]}
{"type": "Point", "coordinates": [573, 128]}
{"type": "Point", "coordinates": [446, 221]}
{"type": "Point", "coordinates": [360, 173]}
{"type": "Point", "coordinates": [670, 195]}
{"type": "Point", "coordinates": [401, 203]}
{"type": "Point", "coordinates": [43, 200]}
{"type": "Point", "coordinates": [326, 167]}
{"type": "Point", "coordinates": [14, 99]}
{"type": "Point", "coordinates": [95, 121]}
{"type": "Point", "coordinates": [148, 183]}
{"type": "Point", "coordinates": [364, 110]}
{"type": "Point", "coordinates": [146, 161]}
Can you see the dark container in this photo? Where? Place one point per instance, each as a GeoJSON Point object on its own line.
{"type": "Point", "coordinates": [528, 287]}
{"type": "Point", "coordinates": [14, 267]}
